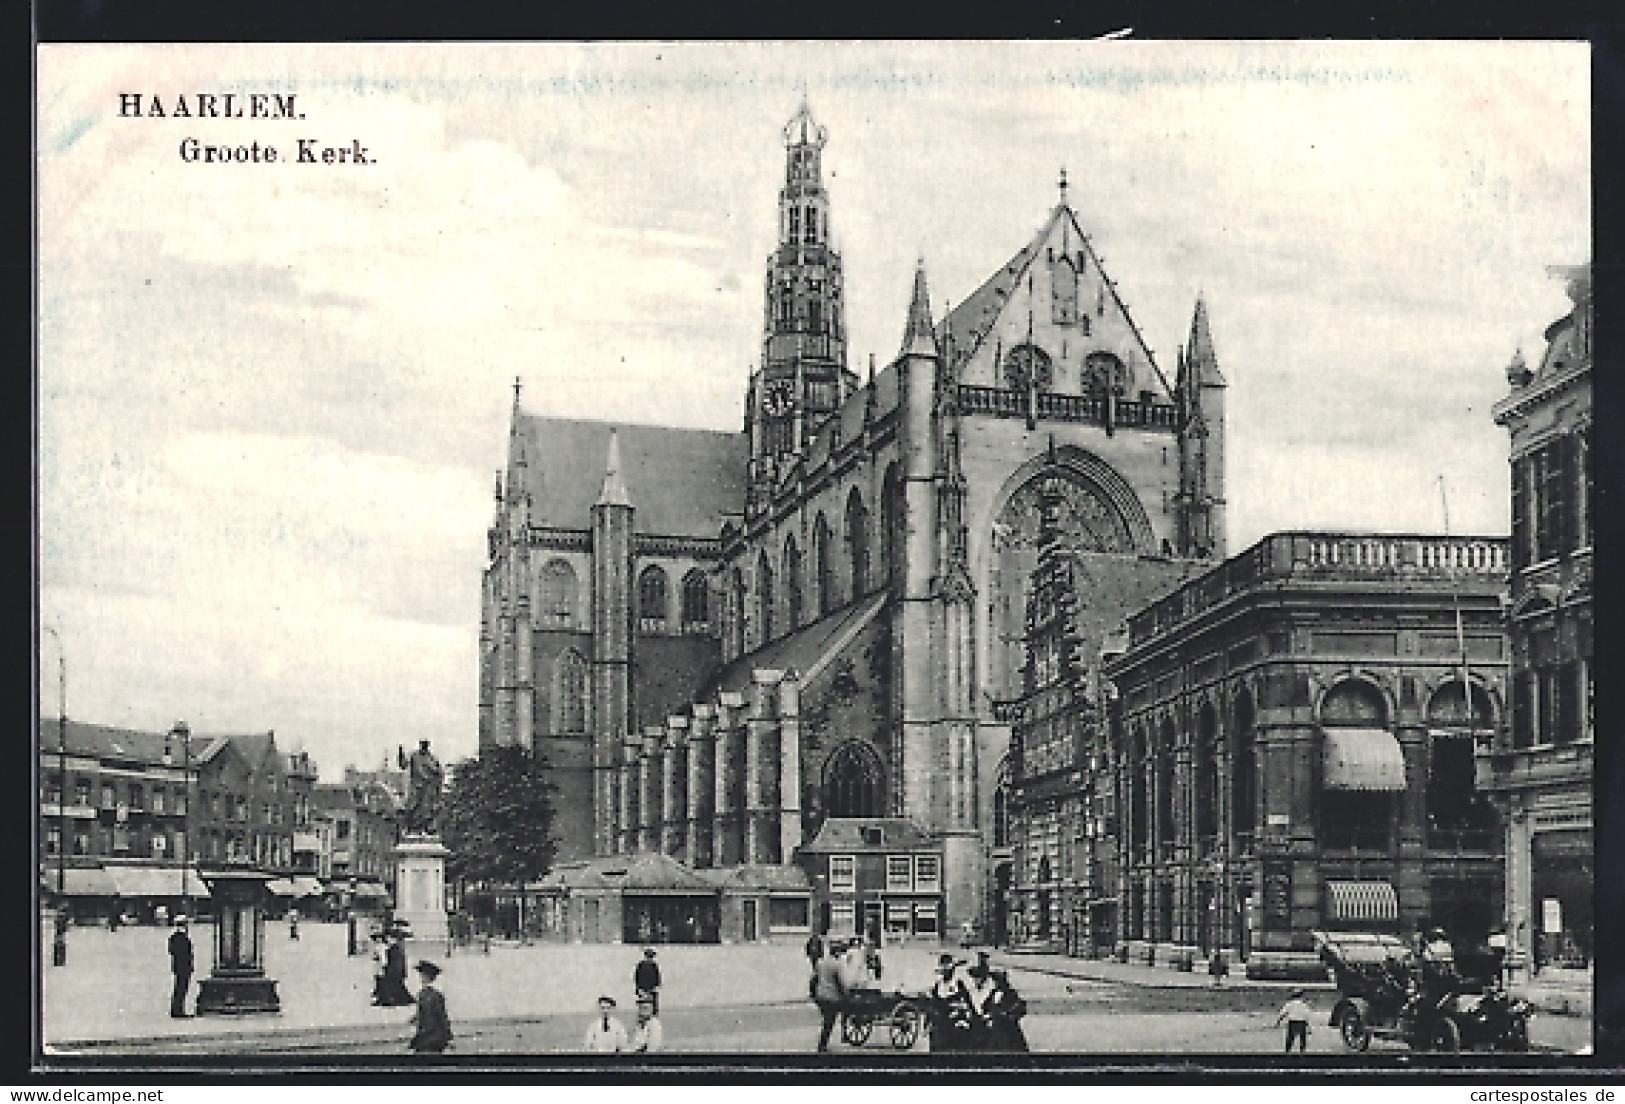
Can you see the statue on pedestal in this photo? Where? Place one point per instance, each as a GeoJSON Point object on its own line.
{"type": "Point", "coordinates": [425, 781]}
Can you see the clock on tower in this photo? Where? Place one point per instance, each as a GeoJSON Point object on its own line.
{"type": "Point", "coordinates": [778, 399]}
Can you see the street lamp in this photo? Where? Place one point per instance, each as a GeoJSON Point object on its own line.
{"type": "Point", "coordinates": [184, 734]}
{"type": "Point", "coordinates": [59, 943]}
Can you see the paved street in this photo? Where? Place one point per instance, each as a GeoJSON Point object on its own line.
{"type": "Point", "coordinates": [112, 998]}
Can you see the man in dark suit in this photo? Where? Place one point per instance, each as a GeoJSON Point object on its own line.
{"type": "Point", "coordinates": [180, 964]}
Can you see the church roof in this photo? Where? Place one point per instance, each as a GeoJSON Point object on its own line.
{"type": "Point", "coordinates": [680, 481]}
{"type": "Point", "coordinates": [970, 321]}
{"type": "Point", "coordinates": [803, 651]}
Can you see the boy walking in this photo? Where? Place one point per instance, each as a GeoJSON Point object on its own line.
{"type": "Point", "coordinates": [1295, 1012]}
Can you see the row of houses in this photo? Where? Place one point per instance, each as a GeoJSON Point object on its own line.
{"type": "Point", "coordinates": [129, 820]}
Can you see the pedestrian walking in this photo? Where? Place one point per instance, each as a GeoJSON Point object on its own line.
{"type": "Point", "coordinates": [647, 1034]}
{"type": "Point", "coordinates": [115, 915]}
{"type": "Point", "coordinates": [433, 1033]}
{"type": "Point", "coordinates": [1296, 1013]}
{"type": "Point", "coordinates": [180, 965]}
{"type": "Point", "coordinates": [646, 979]}
{"type": "Point", "coordinates": [1004, 1009]}
{"type": "Point", "coordinates": [828, 992]}
{"type": "Point", "coordinates": [392, 991]}
{"type": "Point", "coordinates": [606, 1034]}
{"type": "Point", "coordinates": [814, 949]}
{"type": "Point", "coordinates": [951, 1014]}
{"type": "Point", "coordinates": [1218, 968]}
{"type": "Point", "coordinates": [293, 923]}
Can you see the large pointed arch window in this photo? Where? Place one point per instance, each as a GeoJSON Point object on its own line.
{"type": "Point", "coordinates": [857, 543]}
{"type": "Point", "coordinates": [696, 601]}
{"type": "Point", "coordinates": [764, 600]}
{"type": "Point", "coordinates": [558, 605]}
{"type": "Point", "coordinates": [791, 565]}
{"type": "Point", "coordinates": [854, 782]}
{"type": "Point", "coordinates": [569, 694]}
{"type": "Point", "coordinates": [891, 526]}
{"type": "Point", "coordinates": [824, 597]}
{"type": "Point", "coordinates": [652, 599]}
{"type": "Point", "coordinates": [736, 614]}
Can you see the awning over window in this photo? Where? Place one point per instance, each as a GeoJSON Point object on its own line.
{"type": "Point", "coordinates": [157, 881]}
{"type": "Point", "coordinates": [1363, 759]}
{"type": "Point", "coordinates": [1361, 901]}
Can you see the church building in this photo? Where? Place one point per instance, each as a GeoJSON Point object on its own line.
{"type": "Point", "coordinates": [720, 640]}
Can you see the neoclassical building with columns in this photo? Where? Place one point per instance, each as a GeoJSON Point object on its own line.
{"type": "Point", "coordinates": [722, 639]}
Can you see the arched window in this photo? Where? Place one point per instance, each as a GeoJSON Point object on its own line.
{"type": "Point", "coordinates": [1163, 777]}
{"type": "Point", "coordinates": [696, 601]}
{"type": "Point", "coordinates": [1139, 805]}
{"type": "Point", "coordinates": [1001, 805]}
{"type": "Point", "coordinates": [764, 600]}
{"type": "Point", "coordinates": [857, 543]}
{"type": "Point", "coordinates": [558, 595]}
{"type": "Point", "coordinates": [1355, 816]}
{"type": "Point", "coordinates": [791, 565]}
{"type": "Point", "coordinates": [1027, 365]}
{"type": "Point", "coordinates": [824, 598]}
{"type": "Point", "coordinates": [1243, 774]}
{"type": "Point", "coordinates": [1459, 816]}
{"type": "Point", "coordinates": [853, 779]}
{"type": "Point", "coordinates": [1206, 770]}
{"type": "Point", "coordinates": [736, 612]}
{"type": "Point", "coordinates": [892, 512]}
{"type": "Point", "coordinates": [569, 694]}
{"type": "Point", "coordinates": [652, 599]}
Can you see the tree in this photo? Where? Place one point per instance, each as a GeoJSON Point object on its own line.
{"type": "Point", "coordinates": [498, 817]}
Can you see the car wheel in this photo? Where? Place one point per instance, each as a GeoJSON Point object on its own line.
{"type": "Point", "coordinates": [1356, 1034]}
{"type": "Point", "coordinates": [905, 1028]}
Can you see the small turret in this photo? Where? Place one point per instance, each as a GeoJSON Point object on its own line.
{"type": "Point", "coordinates": [614, 489]}
{"type": "Point", "coordinates": [919, 338]}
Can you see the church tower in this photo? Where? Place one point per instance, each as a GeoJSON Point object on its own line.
{"type": "Point", "coordinates": [803, 377]}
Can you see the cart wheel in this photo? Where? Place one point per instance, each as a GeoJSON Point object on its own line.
{"type": "Point", "coordinates": [1446, 1036]}
{"type": "Point", "coordinates": [856, 1030]}
{"type": "Point", "coordinates": [1356, 1033]}
{"type": "Point", "coordinates": [905, 1028]}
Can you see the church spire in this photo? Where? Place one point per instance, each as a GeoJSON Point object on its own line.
{"type": "Point", "coordinates": [918, 338]}
{"type": "Point", "coordinates": [614, 490]}
{"type": "Point", "coordinates": [1201, 363]}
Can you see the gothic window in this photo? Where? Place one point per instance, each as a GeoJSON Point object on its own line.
{"type": "Point", "coordinates": [558, 595]}
{"type": "Point", "coordinates": [1026, 364]}
{"type": "Point", "coordinates": [569, 693]}
{"type": "Point", "coordinates": [736, 613]}
{"type": "Point", "coordinates": [1063, 291]}
{"type": "Point", "coordinates": [795, 224]}
{"type": "Point", "coordinates": [857, 543]}
{"type": "Point", "coordinates": [824, 596]}
{"type": "Point", "coordinates": [812, 225]}
{"type": "Point", "coordinates": [791, 565]}
{"type": "Point", "coordinates": [815, 316]}
{"type": "Point", "coordinates": [696, 600]}
{"type": "Point", "coordinates": [652, 599]}
{"type": "Point", "coordinates": [764, 600]}
{"type": "Point", "coordinates": [891, 526]}
{"type": "Point", "coordinates": [1103, 372]}
{"type": "Point", "coordinates": [1001, 805]}
{"type": "Point", "coordinates": [852, 782]}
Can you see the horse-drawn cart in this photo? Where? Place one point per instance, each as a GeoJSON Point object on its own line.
{"type": "Point", "coordinates": [898, 1013]}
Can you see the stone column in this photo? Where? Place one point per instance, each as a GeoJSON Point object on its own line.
{"type": "Point", "coordinates": [701, 784]}
{"type": "Point", "coordinates": [727, 843]}
{"type": "Point", "coordinates": [761, 773]}
{"type": "Point", "coordinates": [626, 828]}
{"type": "Point", "coordinates": [650, 817]}
{"type": "Point", "coordinates": [674, 788]}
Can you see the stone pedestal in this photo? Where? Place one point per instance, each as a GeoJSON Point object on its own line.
{"type": "Point", "coordinates": [420, 884]}
{"type": "Point", "coordinates": [238, 984]}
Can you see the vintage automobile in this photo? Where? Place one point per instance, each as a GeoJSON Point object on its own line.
{"type": "Point", "coordinates": [1384, 995]}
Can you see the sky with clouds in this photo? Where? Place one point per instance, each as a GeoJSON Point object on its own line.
{"type": "Point", "coordinates": [272, 397]}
